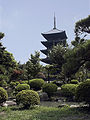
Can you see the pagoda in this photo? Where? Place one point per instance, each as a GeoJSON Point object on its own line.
{"type": "Point", "coordinates": [53, 37]}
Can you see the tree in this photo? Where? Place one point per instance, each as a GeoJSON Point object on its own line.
{"type": "Point", "coordinates": [77, 41]}
{"type": "Point", "coordinates": [76, 58]}
{"type": "Point", "coordinates": [83, 26]}
{"type": "Point", "coordinates": [7, 61]}
{"type": "Point", "coordinates": [56, 55]}
{"type": "Point", "coordinates": [33, 66]}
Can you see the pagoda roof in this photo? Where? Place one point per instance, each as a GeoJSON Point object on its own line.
{"type": "Point", "coordinates": [46, 60]}
{"type": "Point", "coordinates": [54, 35]}
{"type": "Point", "coordinates": [53, 31]}
{"type": "Point", "coordinates": [48, 44]}
{"type": "Point", "coordinates": [44, 51]}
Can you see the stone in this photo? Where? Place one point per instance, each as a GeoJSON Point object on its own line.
{"type": "Point", "coordinates": [10, 103]}
{"type": "Point", "coordinates": [43, 96]}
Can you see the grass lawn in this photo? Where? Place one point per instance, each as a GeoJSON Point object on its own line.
{"type": "Point", "coordinates": [44, 113]}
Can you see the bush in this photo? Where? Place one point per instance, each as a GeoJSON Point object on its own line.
{"type": "Point", "coordinates": [3, 83]}
{"type": "Point", "coordinates": [21, 87]}
{"type": "Point", "coordinates": [17, 82]}
{"type": "Point", "coordinates": [14, 84]}
{"type": "Point", "coordinates": [68, 90]}
{"type": "Point", "coordinates": [74, 82]}
{"type": "Point", "coordinates": [3, 77]}
{"type": "Point", "coordinates": [27, 98]}
{"type": "Point", "coordinates": [49, 88]}
{"type": "Point", "coordinates": [83, 92]}
{"type": "Point", "coordinates": [36, 84]}
{"type": "Point", "coordinates": [3, 95]}
{"type": "Point", "coordinates": [87, 79]}
{"type": "Point", "coordinates": [24, 82]}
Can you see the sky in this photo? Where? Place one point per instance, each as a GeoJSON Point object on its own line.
{"type": "Point", "coordinates": [23, 21]}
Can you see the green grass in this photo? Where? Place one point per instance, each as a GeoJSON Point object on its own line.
{"type": "Point", "coordinates": [44, 113]}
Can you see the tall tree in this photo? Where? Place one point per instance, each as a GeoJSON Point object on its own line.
{"type": "Point", "coordinates": [7, 61]}
{"type": "Point", "coordinates": [76, 58]}
{"type": "Point", "coordinates": [33, 66]}
{"type": "Point", "coordinates": [56, 55]}
{"type": "Point", "coordinates": [82, 26]}
{"type": "Point", "coordinates": [82, 29]}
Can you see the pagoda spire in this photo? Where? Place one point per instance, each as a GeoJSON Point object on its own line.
{"type": "Point", "coordinates": [54, 22]}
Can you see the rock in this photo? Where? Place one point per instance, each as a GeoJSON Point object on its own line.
{"type": "Point", "coordinates": [10, 103]}
{"type": "Point", "coordinates": [43, 96]}
{"type": "Point", "coordinates": [4, 104]}
{"type": "Point", "coordinates": [62, 105]}
{"type": "Point", "coordinates": [74, 106]}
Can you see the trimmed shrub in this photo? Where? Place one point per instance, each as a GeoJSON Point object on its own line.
{"type": "Point", "coordinates": [24, 82]}
{"type": "Point", "coordinates": [74, 82]}
{"type": "Point", "coordinates": [17, 82]}
{"type": "Point", "coordinates": [3, 77]}
{"type": "Point", "coordinates": [49, 88]}
{"type": "Point", "coordinates": [27, 98]}
{"type": "Point", "coordinates": [21, 87]}
{"type": "Point", "coordinates": [87, 79]}
{"type": "Point", "coordinates": [83, 92]}
{"type": "Point", "coordinates": [36, 84]}
{"type": "Point", "coordinates": [3, 83]}
{"type": "Point", "coordinates": [68, 90]}
{"type": "Point", "coordinates": [3, 95]}
{"type": "Point", "coordinates": [14, 84]}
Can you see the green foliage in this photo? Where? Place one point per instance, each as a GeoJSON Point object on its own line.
{"type": "Point", "coordinates": [49, 88]}
{"type": "Point", "coordinates": [7, 61]}
{"type": "Point", "coordinates": [2, 70]}
{"type": "Point", "coordinates": [83, 26]}
{"type": "Point", "coordinates": [87, 65]}
{"type": "Point", "coordinates": [36, 84]}
{"type": "Point", "coordinates": [27, 98]}
{"type": "Point", "coordinates": [3, 83]}
{"type": "Point", "coordinates": [21, 87]}
{"type": "Point", "coordinates": [68, 90]}
{"type": "Point", "coordinates": [56, 54]}
{"type": "Point", "coordinates": [4, 77]}
{"type": "Point", "coordinates": [83, 92]}
{"type": "Point", "coordinates": [77, 41]}
{"type": "Point", "coordinates": [74, 82]}
{"type": "Point", "coordinates": [40, 75]}
{"type": "Point", "coordinates": [16, 74]}
{"type": "Point", "coordinates": [14, 84]}
{"type": "Point", "coordinates": [3, 95]}
{"type": "Point", "coordinates": [75, 58]}
{"type": "Point", "coordinates": [87, 79]}
{"type": "Point", "coordinates": [33, 66]}
{"type": "Point", "coordinates": [24, 82]}
{"type": "Point", "coordinates": [23, 72]}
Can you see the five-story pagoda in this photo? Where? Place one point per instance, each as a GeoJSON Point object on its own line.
{"type": "Point", "coordinates": [53, 37]}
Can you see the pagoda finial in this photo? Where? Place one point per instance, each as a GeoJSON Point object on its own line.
{"type": "Point", "coordinates": [54, 22]}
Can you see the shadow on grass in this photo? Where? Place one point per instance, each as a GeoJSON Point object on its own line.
{"type": "Point", "coordinates": [21, 108]}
